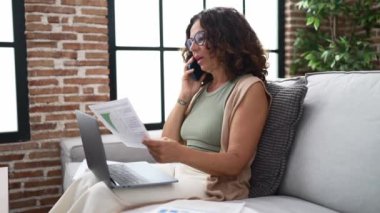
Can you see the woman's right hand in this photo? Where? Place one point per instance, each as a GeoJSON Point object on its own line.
{"type": "Point", "coordinates": [189, 85]}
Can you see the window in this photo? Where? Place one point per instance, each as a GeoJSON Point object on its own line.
{"type": "Point", "coordinates": [145, 41]}
{"type": "Point", "coordinates": [14, 122]}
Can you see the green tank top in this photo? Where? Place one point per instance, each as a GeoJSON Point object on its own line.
{"type": "Point", "coordinates": [202, 127]}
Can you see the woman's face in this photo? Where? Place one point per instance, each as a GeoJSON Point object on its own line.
{"type": "Point", "coordinates": [200, 52]}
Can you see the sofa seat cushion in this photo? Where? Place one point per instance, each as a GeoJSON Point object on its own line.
{"type": "Point", "coordinates": [268, 204]}
{"type": "Point", "coordinates": [334, 159]}
{"type": "Point", "coordinates": [284, 204]}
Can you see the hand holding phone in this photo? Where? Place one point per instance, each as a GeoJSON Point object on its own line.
{"type": "Point", "coordinates": [198, 72]}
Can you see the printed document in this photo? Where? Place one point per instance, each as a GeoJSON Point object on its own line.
{"type": "Point", "coordinates": [121, 119]}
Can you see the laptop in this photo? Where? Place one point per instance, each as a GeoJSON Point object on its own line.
{"type": "Point", "coordinates": [123, 175]}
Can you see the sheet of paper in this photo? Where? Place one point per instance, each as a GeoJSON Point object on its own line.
{"type": "Point", "coordinates": [199, 206]}
{"type": "Point", "coordinates": [121, 119]}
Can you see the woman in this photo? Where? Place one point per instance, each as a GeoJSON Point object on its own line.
{"type": "Point", "coordinates": [210, 137]}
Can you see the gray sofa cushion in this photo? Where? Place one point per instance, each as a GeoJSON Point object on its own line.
{"type": "Point", "coordinates": [277, 137]}
{"type": "Point", "coordinates": [334, 160]}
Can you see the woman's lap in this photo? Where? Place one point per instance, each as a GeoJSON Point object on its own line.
{"type": "Point", "coordinates": [191, 185]}
{"type": "Point", "coordinates": [89, 195]}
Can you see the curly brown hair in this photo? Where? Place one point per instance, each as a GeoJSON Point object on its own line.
{"type": "Point", "coordinates": [232, 40]}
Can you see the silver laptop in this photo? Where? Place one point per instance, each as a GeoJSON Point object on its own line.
{"type": "Point", "coordinates": [123, 175]}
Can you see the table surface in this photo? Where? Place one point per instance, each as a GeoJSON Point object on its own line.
{"type": "Point", "coordinates": [4, 205]}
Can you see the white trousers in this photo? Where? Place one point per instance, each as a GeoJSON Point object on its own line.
{"type": "Point", "coordinates": [87, 194]}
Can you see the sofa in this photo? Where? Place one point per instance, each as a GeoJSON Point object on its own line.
{"type": "Point", "coordinates": [319, 150]}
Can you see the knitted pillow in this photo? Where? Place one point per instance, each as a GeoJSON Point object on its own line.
{"type": "Point", "coordinates": [278, 135]}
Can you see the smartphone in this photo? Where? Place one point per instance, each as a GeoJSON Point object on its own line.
{"type": "Point", "coordinates": [198, 72]}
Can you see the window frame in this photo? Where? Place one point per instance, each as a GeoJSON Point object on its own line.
{"type": "Point", "coordinates": [19, 45]}
{"type": "Point", "coordinates": [113, 48]}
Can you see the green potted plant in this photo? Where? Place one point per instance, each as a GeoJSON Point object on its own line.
{"type": "Point", "coordinates": [337, 36]}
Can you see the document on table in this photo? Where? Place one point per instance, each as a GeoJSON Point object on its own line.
{"type": "Point", "coordinates": [121, 119]}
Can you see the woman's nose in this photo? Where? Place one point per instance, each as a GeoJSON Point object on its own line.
{"type": "Point", "coordinates": [194, 46]}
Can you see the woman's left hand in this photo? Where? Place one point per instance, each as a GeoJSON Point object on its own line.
{"type": "Point", "coordinates": [164, 150]}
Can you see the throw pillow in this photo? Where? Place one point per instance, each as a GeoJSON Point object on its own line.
{"type": "Point", "coordinates": [278, 135]}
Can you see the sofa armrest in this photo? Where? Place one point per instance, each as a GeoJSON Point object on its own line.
{"type": "Point", "coordinates": [72, 150]}
{"type": "Point", "coordinates": [72, 154]}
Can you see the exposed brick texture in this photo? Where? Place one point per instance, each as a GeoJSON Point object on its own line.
{"type": "Point", "coordinates": [67, 55]}
{"type": "Point", "coordinates": [67, 63]}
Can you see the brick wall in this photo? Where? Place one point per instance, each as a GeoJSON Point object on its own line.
{"type": "Point", "coordinates": [294, 19]}
{"type": "Point", "coordinates": [67, 56]}
{"type": "Point", "coordinates": [376, 42]}
{"type": "Point", "coordinates": [67, 70]}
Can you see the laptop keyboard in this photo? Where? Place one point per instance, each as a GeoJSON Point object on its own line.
{"type": "Point", "coordinates": [123, 175]}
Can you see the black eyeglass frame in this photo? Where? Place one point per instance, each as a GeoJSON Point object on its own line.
{"type": "Point", "coordinates": [199, 35]}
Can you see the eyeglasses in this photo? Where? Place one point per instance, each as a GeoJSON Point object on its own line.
{"type": "Point", "coordinates": [199, 39]}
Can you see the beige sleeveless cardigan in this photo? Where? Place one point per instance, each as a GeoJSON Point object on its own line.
{"type": "Point", "coordinates": [231, 187]}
